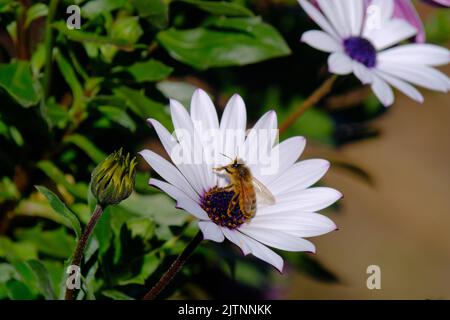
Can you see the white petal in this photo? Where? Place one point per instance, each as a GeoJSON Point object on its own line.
{"type": "Point", "coordinates": [401, 85]}
{"type": "Point", "coordinates": [334, 12]}
{"type": "Point", "coordinates": [377, 14]}
{"type": "Point", "coordinates": [260, 140]}
{"type": "Point", "coordinates": [172, 148]}
{"type": "Point", "coordinates": [417, 74]}
{"type": "Point", "coordinates": [211, 231]}
{"type": "Point", "coordinates": [237, 238]}
{"type": "Point", "coordinates": [296, 224]}
{"type": "Point", "coordinates": [283, 156]}
{"type": "Point", "coordinates": [300, 176]}
{"type": "Point", "coordinates": [188, 140]}
{"type": "Point", "coordinates": [183, 201]}
{"type": "Point", "coordinates": [203, 110]}
{"type": "Point", "coordinates": [262, 252]}
{"type": "Point", "coordinates": [382, 90]}
{"type": "Point", "coordinates": [393, 32]}
{"type": "Point", "coordinates": [167, 170]}
{"type": "Point", "coordinates": [309, 200]}
{"type": "Point", "coordinates": [354, 13]}
{"type": "Point", "coordinates": [206, 123]}
{"type": "Point", "coordinates": [339, 63]}
{"type": "Point", "coordinates": [362, 72]}
{"type": "Point", "coordinates": [423, 53]}
{"type": "Point", "coordinates": [317, 16]}
{"type": "Point", "coordinates": [321, 41]}
{"type": "Point", "coordinates": [232, 126]}
{"type": "Point", "coordinates": [278, 239]}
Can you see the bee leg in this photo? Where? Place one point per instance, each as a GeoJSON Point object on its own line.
{"type": "Point", "coordinates": [233, 202]}
{"type": "Point", "coordinates": [229, 187]}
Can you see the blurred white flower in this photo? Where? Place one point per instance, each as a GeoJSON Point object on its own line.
{"type": "Point", "coordinates": [199, 190]}
{"type": "Point", "coordinates": [361, 41]}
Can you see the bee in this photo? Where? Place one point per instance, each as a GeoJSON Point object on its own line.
{"type": "Point", "coordinates": [245, 188]}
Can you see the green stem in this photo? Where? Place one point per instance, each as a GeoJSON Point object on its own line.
{"type": "Point", "coordinates": [174, 268]}
{"type": "Point", "coordinates": [82, 243]}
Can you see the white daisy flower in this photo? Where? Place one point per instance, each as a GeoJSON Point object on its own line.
{"type": "Point", "coordinates": [199, 190]}
{"type": "Point", "coordinates": [361, 39]}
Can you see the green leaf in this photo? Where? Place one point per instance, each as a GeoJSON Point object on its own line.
{"type": "Point", "coordinates": [141, 227]}
{"type": "Point", "coordinates": [16, 251]}
{"type": "Point", "coordinates": [18, 291]}
{"type": "Point", "coordinates": [17, 80]}
{"type": "Point", "coordinates": [180, 91]}
{"type": "Point", "coordinates": [56, 243]}
{"type": "Point", "coordinates": [37, 10]}
{"type": "Point", "coordinates": [97, 7]}
{"type": "Point", "coordinates": [87, 146]}
{"type": "Point", "coordinates": [226, 42]}
{"type": "Point", "coordinates": [43, 278]}
{"type": "Point", "coordinates": [61, 208]}
{"type": "Point", "coordinates": [86, 37]}
{"type": "Point", "coordinates": [7, 272]}
{"type": "Point", "coordinates": [149, 265]}
{"type": "Point", "coordinates": [151, 70]}
{"type": "Point", "coordinates": [155, 12]}
{"type": "Point", "coordinates": [116, 295]}
{"type": "Point", "coordinates": [57, 116]}
{"type": "Point", "coordinates": [118, 116]}
{"type": "Point", "coordinates": [143, 106]}
{"type": "Point", "coordinates": [16, 136]}
{"type": "Point", "coordinates": [53, 172]}
{"type": "Point", "coordinates": [158, 207]}
{"type": "Point", "coordinates": [221, 8]}
{"type": "Point", "coordinates": [67, 71]}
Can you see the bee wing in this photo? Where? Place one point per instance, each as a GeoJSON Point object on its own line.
{"type": "Point", "coordinates": [263, 192]}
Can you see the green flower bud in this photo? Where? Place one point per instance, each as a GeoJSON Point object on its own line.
{"type": "Point", "coordinates": [113, 179]}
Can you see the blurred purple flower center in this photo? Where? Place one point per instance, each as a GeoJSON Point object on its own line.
{"type": "Point", "coordinates": [361, 50]}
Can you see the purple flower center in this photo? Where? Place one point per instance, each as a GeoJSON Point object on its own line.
{"type": "Point", "coordinates": [361, 50]}
{"type": "Point", "coordinates": [216, 202]}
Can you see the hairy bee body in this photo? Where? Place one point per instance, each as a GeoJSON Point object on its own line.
{"type": "Point", "coordinates": [245, 187]}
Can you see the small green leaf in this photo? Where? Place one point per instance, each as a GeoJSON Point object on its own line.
{"type": "Point", "coordinates": [97, 7]}
{"type": "Point", "coordinates": [116, 295]}
{"type": "Point", "coordinates": [55, 243]}
{"type": "Point", "coordinates": [119, 116]}
{"type": "Point", "coordinates": [87, 146]}
{"type": "Point", "coordinates": [43, 279]}
{"type": "Point", "coordinates": [16, 251]}
{"type": "Point", "coordinates": [180, 91]}
{"type": "Point", "coordinates": [149, 265]}
{"type": "Point", "coordinates": [143, 106]}
{"type": "Point", "coordinates": [17, 80]}
{"type": "Point", "coordinates": [68, 72]}
{"type": "Point", "coordinates": [78, 190]}
{"type": "Point", "coordinates": [61, 208]}
{"type": "Point", "coordinates": [37, 10]}
{"type": "Point", "coordinates": [151, 70]}
{"type": "Point", "coordinates": [18, 291]}
{"type": "Point", "coordinates": [86, 37]}
{"type": "Point", "coordinates": [226, 42]}
{"type": "Point", "coordinates": [155, 11]}
{"type": "Point", "coordinates": [221, 8]}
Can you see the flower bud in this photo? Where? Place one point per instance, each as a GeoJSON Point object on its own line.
{"type": "Point", "coordinates": [113, 179]}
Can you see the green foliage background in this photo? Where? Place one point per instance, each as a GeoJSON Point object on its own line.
{"type": "Point", "coordinates": [70, 97]}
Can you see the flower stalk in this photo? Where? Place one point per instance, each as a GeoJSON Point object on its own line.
{"type": "Point", "coordinates": [315, 97]}
{"type": "Point", "coordinates": [82, 243]}
{"type": "Point", "coordinates": [174, 268]}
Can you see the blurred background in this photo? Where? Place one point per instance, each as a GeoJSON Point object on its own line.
{"type": "Point", "coordinates": [71, 98]}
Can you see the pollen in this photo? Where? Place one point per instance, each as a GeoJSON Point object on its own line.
{"type": "Point", "coordinates": [216, 202]}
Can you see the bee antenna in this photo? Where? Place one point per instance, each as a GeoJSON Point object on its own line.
{"type": "Point", "coordinates": [226, 156]}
